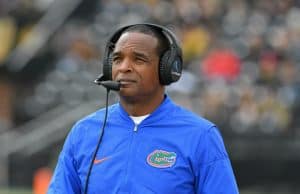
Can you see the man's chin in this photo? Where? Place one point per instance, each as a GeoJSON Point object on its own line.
{"type": "Point", "coordinates": [127, 92]}
{"type": "Point", "coordinates": [128, 95]}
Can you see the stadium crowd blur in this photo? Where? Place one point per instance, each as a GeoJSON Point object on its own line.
{"type": "Point", "coordinates": [242, 59]}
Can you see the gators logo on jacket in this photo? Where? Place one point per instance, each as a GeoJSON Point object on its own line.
{"type": "Point", "coordinates": [161, 159]}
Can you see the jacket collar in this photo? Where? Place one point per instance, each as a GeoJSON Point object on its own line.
{"type": "Point", "coordinates": [163, 110]}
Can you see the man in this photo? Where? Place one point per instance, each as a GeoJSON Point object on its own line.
{"type": "Point", "coordinates": [149, 145]}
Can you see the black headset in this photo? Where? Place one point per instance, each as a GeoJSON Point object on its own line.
{"type": "Point", "coordinates": [170, 63]}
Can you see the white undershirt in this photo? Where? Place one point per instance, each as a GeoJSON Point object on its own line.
{"type": "Point", "coordinates": [139, 119]}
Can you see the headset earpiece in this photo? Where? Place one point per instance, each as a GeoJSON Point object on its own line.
{"type": "Point", "coordinates": [163, 67]}
{"type": "Point", "coordinates": [107, 60]}
{"type": "Point", "coordinates": [170, 67]}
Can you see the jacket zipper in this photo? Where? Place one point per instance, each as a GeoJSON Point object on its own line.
{"type": "Point", "coordinates": [130, 156]}
{"type": "Point", "coordinates": [135, 128]}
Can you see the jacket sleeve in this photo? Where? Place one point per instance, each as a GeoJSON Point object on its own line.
{"type": "Point", "coordinates": [214, 173]}
{"type": "Point", "coordinates": [65, 179]}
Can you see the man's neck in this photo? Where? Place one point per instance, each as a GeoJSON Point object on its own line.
{"type": "Point", "coordinates": [141, 107]}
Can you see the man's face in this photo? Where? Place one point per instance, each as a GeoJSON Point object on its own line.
{"type": "Point", "coordinates": [135, 66]}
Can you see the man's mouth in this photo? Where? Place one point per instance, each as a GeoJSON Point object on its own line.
{"type": "Point", "coordinates": [125, 82]}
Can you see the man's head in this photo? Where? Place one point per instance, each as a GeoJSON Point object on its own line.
{"type": "Point", "coordinates": [135, 62]}
{"type": "Point", "coordinates": [168, 50]}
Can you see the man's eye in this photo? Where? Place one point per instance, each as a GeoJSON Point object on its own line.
{"type": "Point", "coordinates": [141, 60]}
{"type": "Point", "coordinates": [116, 59]}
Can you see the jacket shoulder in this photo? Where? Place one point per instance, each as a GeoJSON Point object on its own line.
{"type": "Point", "coordinates": [190, 118]}
{"type": "Point", "coordinates": [92, 120]}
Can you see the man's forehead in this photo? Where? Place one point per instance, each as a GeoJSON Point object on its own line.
{"type": "Point", "coordinates": [136, 39]}
{"type": "Point", "coordinates": [136, 36]}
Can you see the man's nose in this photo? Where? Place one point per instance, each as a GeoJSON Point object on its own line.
{"type": "Point", "coordinates": [125, 65]}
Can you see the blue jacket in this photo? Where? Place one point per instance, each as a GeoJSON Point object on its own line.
{"type": "Point", "coordinates": [173, 151]}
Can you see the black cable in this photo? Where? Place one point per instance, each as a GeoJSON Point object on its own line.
{"type": "Point", "coordinates": [98, 145]}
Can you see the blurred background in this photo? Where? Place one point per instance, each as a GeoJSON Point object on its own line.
{"type": "Point", "coordinates": [241, 66]}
